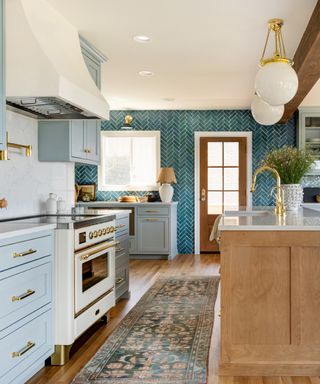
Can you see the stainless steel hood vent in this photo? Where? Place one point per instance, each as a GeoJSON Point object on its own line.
{"type": "Point", "coordinates": [47, 108]}
{"type": "Point", "coordinates": [46, 73]}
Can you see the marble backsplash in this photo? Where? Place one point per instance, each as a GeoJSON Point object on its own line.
{"type": "Point", "coordinates": [24, 181]}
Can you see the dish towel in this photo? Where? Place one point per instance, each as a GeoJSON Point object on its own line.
{"type": "Point", "coordinates": [215, 233]}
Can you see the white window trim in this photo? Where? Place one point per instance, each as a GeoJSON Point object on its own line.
{"type": "Point", "coordinates": [197, 136]}
{"type": "Point", "coordinates": [155, 187]}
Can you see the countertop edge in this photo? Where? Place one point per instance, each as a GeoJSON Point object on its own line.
{"type": "Point", "coordinates": [26, 231]}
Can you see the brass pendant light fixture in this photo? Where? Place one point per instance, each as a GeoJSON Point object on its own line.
{"type": "Point", "coordinates": [276, 82]}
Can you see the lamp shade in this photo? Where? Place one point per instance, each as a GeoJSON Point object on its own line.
{"type": "Point", "coordinates": [264, 113]}
{"type": "Point", "coordinates": [276, 83]}
{"type": "Point", "coordinates": [166, 176]}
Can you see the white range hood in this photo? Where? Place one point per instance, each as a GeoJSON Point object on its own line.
{"type": "Point", "coordinates": [46, 73]}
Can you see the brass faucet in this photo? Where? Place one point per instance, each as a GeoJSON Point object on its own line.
{"type": "Point", "coordinates": [280, 208]}
{"type": "Point", "coordinates": [4, 152]}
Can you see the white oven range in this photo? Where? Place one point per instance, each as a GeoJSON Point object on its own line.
{"type": "Point", "coordinates": [84, 279]}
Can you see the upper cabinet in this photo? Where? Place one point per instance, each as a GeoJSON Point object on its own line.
{"type": "Point", "coordinates": [69, 140]}
{"type": "Point", "coordinates": [308, 135]}
{"type": "Point", "coordinates": [2, 78]}
{"type": "Point", "coordinates": [93, 59]}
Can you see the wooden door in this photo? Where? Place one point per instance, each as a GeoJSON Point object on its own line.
{"type": "Point", "coordinates": [223, 179]}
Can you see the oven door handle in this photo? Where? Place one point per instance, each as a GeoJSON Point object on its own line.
{"type": "Point", "coordinates": [97, 250]}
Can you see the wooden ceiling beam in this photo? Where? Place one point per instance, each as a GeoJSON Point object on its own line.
{"type": "Point", "coordinates": [306, 63]}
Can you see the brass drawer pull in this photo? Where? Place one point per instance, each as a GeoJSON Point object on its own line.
{"type": "Point", "coordinates": [88, 150]}
{"type": "Point", "coordinates": [30, 344]}
{"type": "Point", "coordinates": [119, 280]}
{"type": "Point", "coordinates": [152, 211]}
{"type": "Point", "coordinates": [23, 296]}
{"type": "Point", "coordinates": [120, 226]}
{"type": "Point", "coordinates": [120, 249]}
{"type": "Point", "coordinates": [152, 219]}
{"type": "Point", "coordinates": [26, 253]}
{"type": "Point", "coordinates": [84, 257]}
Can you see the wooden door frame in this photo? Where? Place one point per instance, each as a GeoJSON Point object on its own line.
{"type": "Point", "coordinates": [197, 135]}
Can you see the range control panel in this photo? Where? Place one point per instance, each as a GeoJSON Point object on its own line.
{"type": "Point", "coordinates": [94, 234]}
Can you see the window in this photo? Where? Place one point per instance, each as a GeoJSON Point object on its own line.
{"type": "Point", "coordinates": [130, 160]}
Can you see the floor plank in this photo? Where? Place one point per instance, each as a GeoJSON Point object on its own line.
{"type": "Point", "coordinates": [143, 274]}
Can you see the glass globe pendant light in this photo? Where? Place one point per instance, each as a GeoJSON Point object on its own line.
{"type": "Point", "coordinates": [264, 113]}
{"type": "Point", "coordinates": [276, 81]}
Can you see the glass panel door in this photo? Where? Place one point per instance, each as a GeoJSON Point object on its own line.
{"type": "Point", "coordinates": [222, 181]}
{"type": "Point", "coordinates": [94, 271]}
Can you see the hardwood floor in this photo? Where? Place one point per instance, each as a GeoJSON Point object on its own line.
{"type": "Point", "coordinates": [143, 274]}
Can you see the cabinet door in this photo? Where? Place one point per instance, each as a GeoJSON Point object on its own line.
{"type": "Point", "coordinates": [2, 76]}
{"type": "Point", "coordinates": [78, 139]}
{"type": "Point", "coordinates": [93, 68]}
{"type": "Point", "coordinates": [92, 145]}
{"type": "Point", "coordinates": [153, 234]}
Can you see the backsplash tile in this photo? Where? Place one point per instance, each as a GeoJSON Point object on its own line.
{"type": "Point", "coordinates": [177, 151]}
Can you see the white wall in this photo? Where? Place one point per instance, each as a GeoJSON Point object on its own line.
{"type": "Point", "coordinates": [24, 181]}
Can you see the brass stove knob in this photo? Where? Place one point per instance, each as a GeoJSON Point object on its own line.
{"type": "Point", "coordinates": [90, 235]}
{"type": "Point", "coordinates": [108, 229]}
{"type": "Point", "coordinates": [95, 234]}
{"type": "Point", "coordinates": [99, 232]}
{"type": "Point", "coordinates": [104, 231]}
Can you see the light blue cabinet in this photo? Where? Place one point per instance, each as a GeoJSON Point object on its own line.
{"type": "Point", "coordinates": [308, 134]}
{"type": "Point", "coordinates": [153, 235]}
{"type": "Point", "coordinates": [93, 59]}
{"type": "Point", "coordinates": [26, 286]}
{"type": "Point", "coordinates": [69, 140]}
{"type": "Point", "coordinates": [2, 78]}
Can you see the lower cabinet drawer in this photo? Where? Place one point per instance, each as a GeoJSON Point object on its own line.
{"type": "Point", "coordinates": [24, 347]}
{"type": "Point", "coordinates": [21, 252]}
{"type": "Point", "coordinates": [122, 280]}
{"type": "Point", "coordinates": [122, 252]}
{"type": "Point", "coordinates": [24, 293]}
{"type": "Point", "coordinates": [122, 227]}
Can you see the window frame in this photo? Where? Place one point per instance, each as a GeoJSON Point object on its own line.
{"type": "Point", "coordinates": [111, 187]}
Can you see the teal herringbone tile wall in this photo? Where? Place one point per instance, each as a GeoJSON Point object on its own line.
{"type": "Point", "coordinates": [177, 150]}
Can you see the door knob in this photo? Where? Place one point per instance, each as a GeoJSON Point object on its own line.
{"type": "Point", "coordinates": [203, 194]}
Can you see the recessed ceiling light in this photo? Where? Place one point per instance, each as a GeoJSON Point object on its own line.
{"type": "Point", "coordinates": [168, 99]}
{"type": "Point", "coordinates": [142, 39]}
{"type": "Point", "coordinates": [146, 73]}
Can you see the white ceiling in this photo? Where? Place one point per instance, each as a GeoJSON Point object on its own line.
{"type": "Point", "coordinates": [204, 53]}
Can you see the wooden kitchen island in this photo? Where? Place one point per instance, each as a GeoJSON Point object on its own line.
{"type": "Point", "coordinates": [270, 294]}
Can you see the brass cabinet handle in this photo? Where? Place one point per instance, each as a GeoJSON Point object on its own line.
{"type": "Point", "coordinates": [151, 211]}
{"type": "Point", "coordinates": [152, 219]}
{"type": "Point", "coordinates": [23, 295]}
{"type": "Point", "coordinates": [120, 249]}
{"type": "Point", "coordinates": [88, 150]}
{"type": "Point", "coordinates": [203, 194]}
{"type": "Point", "coordinates": [120, 226]}
{"type": "Point", "coordinates": [30, 344]}
{"type": "Point", "coordinates": [26, 253]}
{"type": "Point", "coordinates": [119, 280]}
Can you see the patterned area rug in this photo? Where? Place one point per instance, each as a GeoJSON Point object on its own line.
{"type": "Point", "coordinates": [164, 339]}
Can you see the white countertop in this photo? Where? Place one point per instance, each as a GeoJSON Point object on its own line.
{"type": "Point", "coordinates": [118, 203]}
{"type": "Point", "coordinates": [9, 229]}
{"type": "Point", "coordinates": [264, 219]}
{"type": "Point", "coordinates": [117, 212]}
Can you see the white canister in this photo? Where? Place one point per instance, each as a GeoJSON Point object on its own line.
{"type": "Point", "coordinates": [61, 205]}
{"type": "Point", "coordinates": [51, 204]}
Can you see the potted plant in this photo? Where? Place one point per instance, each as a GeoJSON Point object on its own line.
{"type": "Point", "coordinates": [291, 164]}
